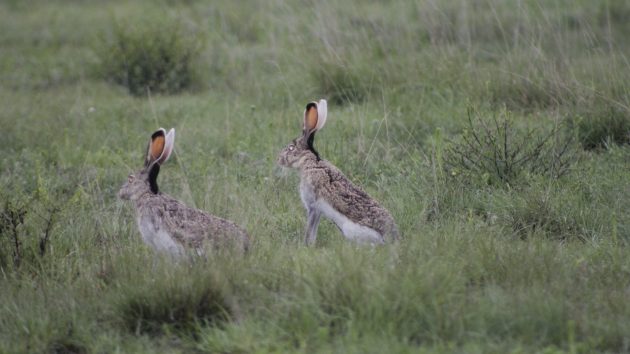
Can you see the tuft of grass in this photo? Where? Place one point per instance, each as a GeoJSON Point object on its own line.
{"type": "Point", "coordinates": [601, 126]}
{"type": "Point", "coordinates": [527, 93]}
{"type": "Point", "coordinates": [341, 84]}
{"type": "Point", "coordinates": [150, 56]}
{"type": "Point", "coordinates": [66, 347]}
{"type": "Point", "coordinates": [179, 304]}
{"type": "Point", "coordinates": [539, 211]}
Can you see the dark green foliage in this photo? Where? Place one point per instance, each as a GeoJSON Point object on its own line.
{"type": "Point", "coordinates": [602, 126]}
{"type": "Point", "coordinates": [539, 211]}
{"type": "Point", "coordinates": [66, 347]}
{"type": "Point", "coordinates": [152, 56]}
{"type": "Point", "coordinates": [527, 93]}
{"type": "Point", "coordinates": [340, 84]}
{"type": "Point", "coordinates": [179, 304]}
{"type": "Point", "coordinates": [614, 14]}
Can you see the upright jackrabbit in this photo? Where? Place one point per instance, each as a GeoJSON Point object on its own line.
{"type": "Point", "coordinates": [325, 190]}
{"type": "Point", "coordinates": [165, 223]}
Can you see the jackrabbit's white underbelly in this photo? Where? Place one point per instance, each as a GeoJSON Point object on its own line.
{"type": "Point", "coordinates": [158, 238]}
{"type": "Point", "coordinates": [350, 229]}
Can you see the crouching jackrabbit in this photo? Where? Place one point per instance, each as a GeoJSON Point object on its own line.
{"type": "Point", "coordinates": [165, 223]}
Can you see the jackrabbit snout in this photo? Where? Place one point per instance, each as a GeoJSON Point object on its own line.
{"type": "Point", "coordinates": [288, 155]}
{"type": "Point", "coordinates": [135, 185]}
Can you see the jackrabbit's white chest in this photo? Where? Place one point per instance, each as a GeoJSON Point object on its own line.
{"type": "Point", "coordinates": [157, 237]}
{"type": "Point", "coordinates": [307, 194]}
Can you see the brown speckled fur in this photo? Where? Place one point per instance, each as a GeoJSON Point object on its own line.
{"type": "Point", "coordinates": [331, 185]}
{"type": "Point", "coordinates": [167, 224]}
{"type": "Point", "coordinates": [190, 227]}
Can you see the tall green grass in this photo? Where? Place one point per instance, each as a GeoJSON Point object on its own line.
{"type": "Point", "coordinates": [539, 264]}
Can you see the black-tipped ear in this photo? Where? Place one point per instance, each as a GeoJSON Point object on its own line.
{"type": "Point", "coordinates": [160, 147]}
{"type": "Point", "coordinates": [156, 146]}
{"type": "Point", "coordinates": [314, 116]}
{"type": "Point", "coordinates": [310, 119]}
{"type": "Point", "coordinates": [314, 119]}
{"type": "Point", "coordinates": [153, 174]}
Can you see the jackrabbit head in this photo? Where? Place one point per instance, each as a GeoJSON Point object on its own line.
{"type": "Point", "coordinates": [302, 147]}
{"type": "Point", "coordinates": [145, 181]}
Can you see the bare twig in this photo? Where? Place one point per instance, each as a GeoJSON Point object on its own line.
{"type": "Point", "coordinates": [50, 222]}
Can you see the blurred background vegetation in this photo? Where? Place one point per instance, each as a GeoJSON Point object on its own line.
{"type": "Point", "coordinates": [496, 132]}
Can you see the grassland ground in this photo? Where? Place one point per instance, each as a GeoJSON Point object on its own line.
{"type": "Point", "coordinates": [521, 246]}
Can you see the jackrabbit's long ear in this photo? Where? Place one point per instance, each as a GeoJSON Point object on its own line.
{"type": "Point", "coordinates": [314, 116]}
{"type": "Point", "coordinates": [160, 147]}
{"type": "Point", "coordinates": [322, 113]}
{"type": "Point", "coordinates": [169, 143]}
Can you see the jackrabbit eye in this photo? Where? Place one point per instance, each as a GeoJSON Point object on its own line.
{"type": "Point", "coordinates": [291, 147]}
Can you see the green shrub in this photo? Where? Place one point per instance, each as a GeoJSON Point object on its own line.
{"type": "Point", "coordinates": [525, 94]}
{"type": "Point", "coordinates": [493, 150]}
{"type": "Point", "coordinates": [66, 346]}
{"type": "Point", "coordinates": [178, 303]}
{"type": "Point", "coordinates": [339, 83]}
{"type": "Point", "coordinates": [539, 211]}
{"type": "Point", "coordinates": [522, 82]}
{"type": "Point", "coordinates": [598, 127]}
{"type": "Point", "coordinates": [29, 218]}
{"type": "Point", "coordinates": [158, 56]}
{"type": "Point", "coordinates": [615, 14]}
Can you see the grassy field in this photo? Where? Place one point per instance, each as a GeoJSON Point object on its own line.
{"type": "Point", "coordinates": [496, 132]}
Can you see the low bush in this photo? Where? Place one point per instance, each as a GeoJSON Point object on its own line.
{"type": "Point", "coordinates": [64, 346]}
{"type": "Point", "coordinates": [339, 83]}
{"type": "Point", "coordinates": [492, 150]}
{"type": "Point", "coordinates": [29, 218]}
{"type": "Point", "coordinates": [526, 94]}
{"type": "Point", "coordinates": [538, 211]}
{"type": "Point", "coordinates": [156, 56]}
{"type": "Point", "coordinates": [599, 127]}
{"type": "Point", "coordinates": [175, 303]}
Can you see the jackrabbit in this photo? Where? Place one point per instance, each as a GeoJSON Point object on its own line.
{"type": "Point", "coordinates": [325, 190]}
{"type": "Point", "coordinates": [165, 223]}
